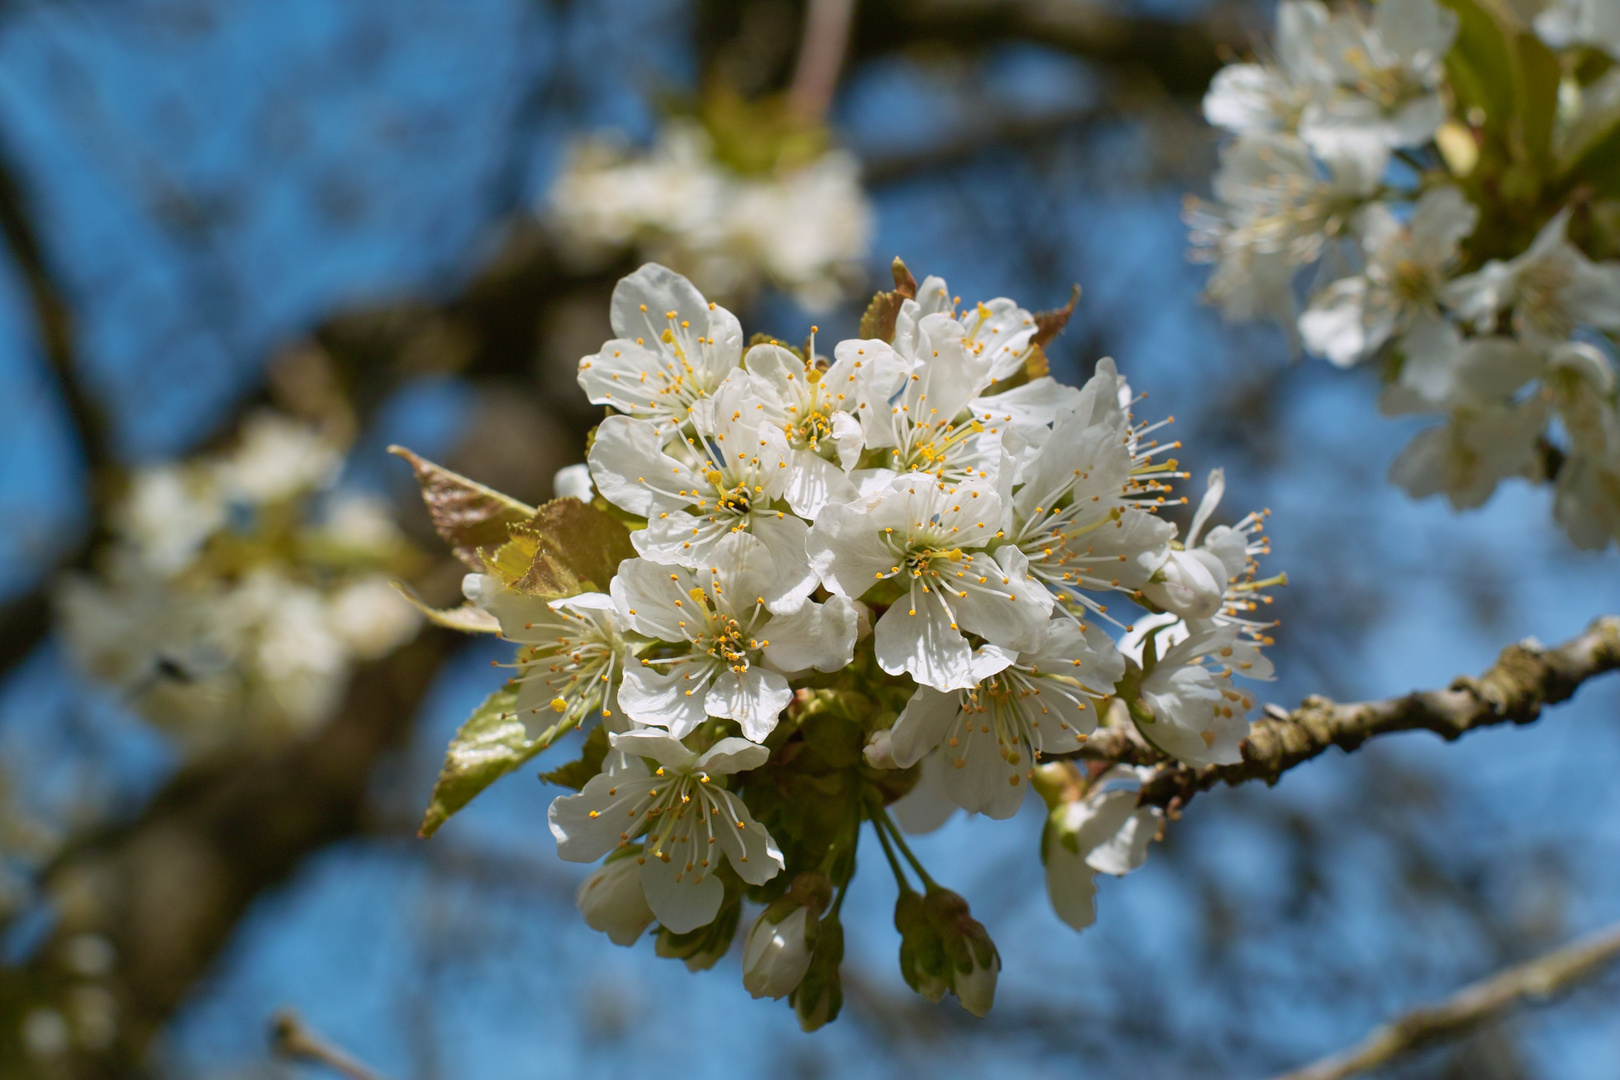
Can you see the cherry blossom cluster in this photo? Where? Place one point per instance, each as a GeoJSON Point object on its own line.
{"type": "Point", "coordinates": [1434, 231]}
{"type": "Point", "coordinates": [876, 586]}
{"type": "Point", "coordinates": [240, 589]}
{"type": "Point", "coordinates": [803, 226]}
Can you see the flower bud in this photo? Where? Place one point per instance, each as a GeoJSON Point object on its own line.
{"type": "Point", "coordinates": [777, 954]}
{"type": "Point", "coordinates": [574, 481]}
{"type": "Point", "coordinates": [820, 994]}
{"type": "Point", "coordinates": [612, 901]}
{"type": "Point", "coordinates": [922, 950]}
{"type": "Point", "coordinates": [879, 750]}
{"type": "Point", "coordinates": [968, 961]}
{"type": "Point", "coordinates": [1191, 584]}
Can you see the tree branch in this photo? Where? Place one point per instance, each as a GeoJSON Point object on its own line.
{"type": "Point", "coordinates": [1533, 981]}
{"type": "Point", "coordinates": [1181, 56]}
{"type": "Point", "coordinates": [821, 57]}
{"type": "Point", "coordinates": [167, 889]}
{"type": "Point", "coordinates": [1525, 678]}
{"type": "Point", "coordinates": [291, 1038]}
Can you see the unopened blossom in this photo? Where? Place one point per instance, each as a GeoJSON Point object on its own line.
{"type": "Point", "coordinates": [1406, 266]}
{"type": "Point", "coordinates": [574, 482]}
{"type": "Point", "coordinates": [1550, 289]}
{"type": "Point", "coordinates": [776, 955]}
{"type": "Point", "coordinates": [932, 540]}
{"type": "Point", "coordinates": [722, 652]}
{"type": "Point", "coordinates": [671, 349]}
{"type": "Point", "coordinates": [572, 656]}
{"type": "Point", "coordinates": [1581, 22]}
{"type": "Point", "coordinates": [683, 817]}
{"type": "Point", "coordinates": [1388, 71]}
{"type": "Point", "coordinates": [1102, 831]}
{"type": "Point", "coordinates": [1042, 701]}
{"type": "Point", "coordinates": [611, 900]}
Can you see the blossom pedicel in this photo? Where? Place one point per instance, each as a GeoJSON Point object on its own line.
{"type": "Point", "coordinates": [794, 594]}
{"type": "Point", "coordinates": [1457, 209]}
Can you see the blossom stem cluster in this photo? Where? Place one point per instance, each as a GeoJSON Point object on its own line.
{"type": "Point", "coordinates": [876, 586]}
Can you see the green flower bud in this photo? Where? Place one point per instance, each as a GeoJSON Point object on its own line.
{"type": "Point", "coordinates": [820, 994]}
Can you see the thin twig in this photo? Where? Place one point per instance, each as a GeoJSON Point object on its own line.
{"type": "Point", "coordinates": [1533, 981]}
{"type": "Point", "coordinates": [1525, 678]}
{"type": "Point", "coordinates": [821, 57]}
{"type": "Point", "coordinates": [291, 1038]}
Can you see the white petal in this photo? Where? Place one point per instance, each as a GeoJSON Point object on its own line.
{"type": "Point", "coordinates": [673, 699]}
{"type": "Point", "coordinates": [820, 636]}
{"type": "Point", "coordinates": [587, 825]}
{"type": "Point", "coordinates": [754, 698]}
{"type": "Point", "coordinates": [682, 899]}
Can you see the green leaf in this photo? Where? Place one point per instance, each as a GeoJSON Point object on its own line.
{"type": "Point", "coordinates": [489, 745]}
{"type": "Point", "coordinates": [467, 514]}
{"type": "Point", "coordinates": [564, 549]}
{"type": "Point", "coordinates": [1479, 61]}
{"type": "Point", "coordinates": [1538, 102]}
{"type": "Point", "coordinates": [468, 618]}
{"type": "Point", "coordinates": [576, 774]}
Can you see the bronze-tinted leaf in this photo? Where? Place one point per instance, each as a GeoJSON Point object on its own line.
{"type": "Point", "coordinates": [467, 514]}
{"type": "Point", "coordinates": [1049, 324]}
{"type": "Point", "coordinates": [878, 321]}
{"type": "Point", "coordinates": [566, 548]}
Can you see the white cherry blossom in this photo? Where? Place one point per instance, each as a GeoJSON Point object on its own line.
{"type": "Point", "coordinates": [1272, 96]}
{"type": "Point", "coordinates": [572, 657]}
{"type": "Point", "coordinates": [990, 736]}
{"type": "Point", "coordinates": [723, 653]}
{"type": "Point", "coordinates": [1388, 70]}
{"type": "Point", "coordinates": [1550, 289]}
{"type": "Point", "coordinates": [1193, 711]}
{"type": "Point", "coordinates": [684, 819]}
{"type": "Point", "coordinates": [724, 479]}
{"type": "Point", "coordinates": [672, 349]}
{"type": "Point", "coordinates": [1477, 447]}
{"type": "Point", "coordinates": [1406, 266]}
{"type": "Point", "coordinates": [932, 539]}
{"type": "Point", "coordinates": [1103, 831]}
{"type": "Point", "coordinates": [1581, 22]}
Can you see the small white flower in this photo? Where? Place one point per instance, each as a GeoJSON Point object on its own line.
{"type": "Point", "coordinates": [1271, 97]}
{"type": "Point", "coordinates": [776, 955]}
{"type": "Point", "coordinates": [1581, 22]}
{"type": "Point", "coordinates": [573, 652]}
{"type": "Point", "coordinates": [1195, 713]}
{"type": "Point", "coordinates": [1407, 265]}
{"type": "Point", "coordinates": [724, 653]}
{"type": "Point", "coordinates": [688, 821]}
{"type": "Point", "coordinates": [169, 513]}
{"type": "Point", "coordinates": [1389, 71]}
{"type": "Point", "coordinates": [932, 539]}
{"type": "Point", "coordinates": [723, 480]}
{"type": "Point", "coordinates": [612, 900]}
{"type": "Point", "coordinates": [1103, 831]}
{"type": "Point", "coordinates": [1477, 447]}
{"type": "Point", "coordinates": [1275, 199]}
{"type": "Point", "coordinates": [992, 735]}
{"type": "Point", "coordinates": [1551, 289]}
{"type": "Point", "coordinates": [672, 349]}
{"type": "Point", "coordinates": [275, 459]}
{"type": "Point", "coordinates": [360, 523]}
{"type": "Point", "coordinates": [1441, 369]}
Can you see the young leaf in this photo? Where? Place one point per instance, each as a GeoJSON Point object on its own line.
{"type": "Point", "coordinates": [467, 514]}
{"type": "Point", "coordinates": [468, 618]}
{"type": "Point", "coordinates": [1049, 324]}
{"type": "Point", "coordinates": [489, 745]}
{"type": "Point", "coordinates": [878, 322]}
{"type": "Point", "coordinates": [565, 549]}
